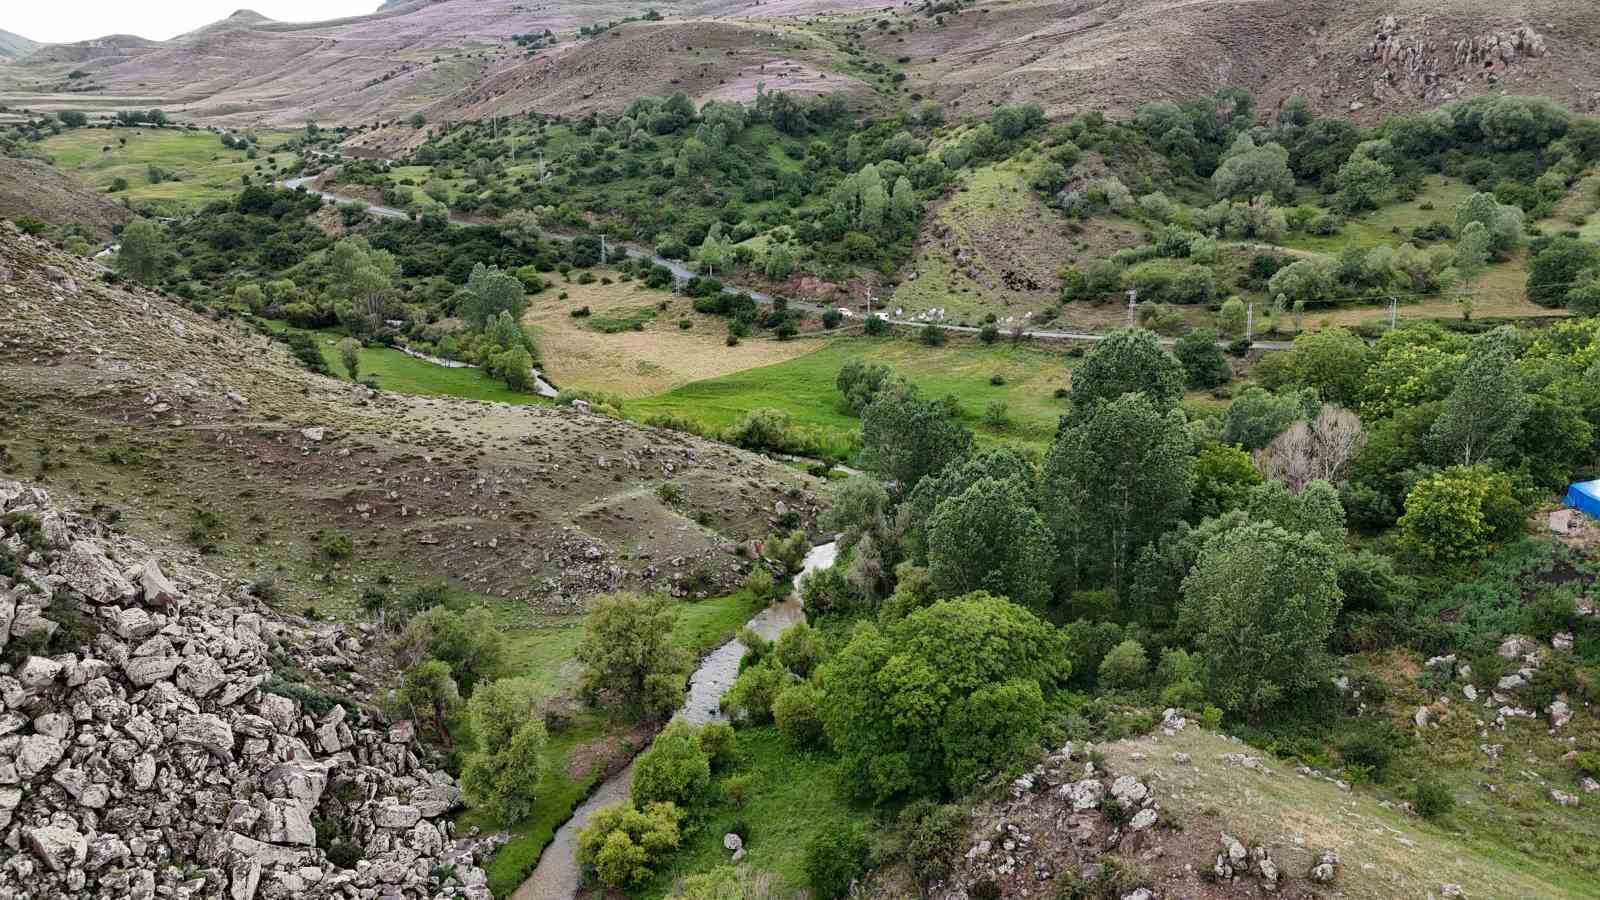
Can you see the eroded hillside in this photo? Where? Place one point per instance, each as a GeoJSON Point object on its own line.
{"type": "Point", "coordinates": [125, 396]}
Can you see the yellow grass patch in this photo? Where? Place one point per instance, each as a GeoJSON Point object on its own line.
{"type": "Point", "coordinates": [654, 360]}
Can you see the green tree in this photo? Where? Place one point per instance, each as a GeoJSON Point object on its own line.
{"type": "Point", "coordinates": [1502, 222]}
{"type": "Point", "coordinates": [905, 438]}
{"type": "Point", "coordinates": [990, 538]}
{"type": "Point", "coordinates": [1253, 172]}
{"type": "Point", "coordinates": [1113, 482]}
{"type": "Point", "coordinates": [471, 642]}
{"type": "Point", "coordinates": [1204, 366]}
{"type": "Point", "coordinates": [350, 357]}
{"type": "Point", "coordinates": [1362, 181]}
{"type": "Point", "coordinates": [1315, 510]}
{"type": "Point", "coordinates": [489, 292]}
{"type": "Point", "coordinates": [1223, 477]}
{"type": "Point", "coordinates": [1126, 362]}
{"type": "Point", "coordinates": [834, 858]}
{"type": "Point", "coordinates": [620, 843]}
{"type": "Point", "coordinates": [858, 510]}
{"type": "Point", "coordinates": [1125, 666]}
{"type": "Point", "coordinates": [1231, 319]}
{"type": "Point", "coordinates": [1472, 254]}
{"type": "Point", "coordinates": [1258, 415]}
{"type": "Point", "coordinates": [627, 653]}
{"type": "Point", "coordinates": [798, 714]}
{"type": "Point", "coordinates": [1483, 414]}
{"type": "Point", "coordinates": [1559, 267]}
{"type": "Point", "coordinates": [1459, 514]}
{"type": "Point", "coordinates": [936, 700]}
{"type": "Point", "coordinates": [144, 250]}
{"type": "Point", "coordinates": [502, 776]}
{"type": "Point", "coordinates": [1333, 362]}
{"type": "Point", "coordinates": [1260, 604]}
{"type": "Point", "coordinates": [674, 770]}
{"type": "Point", "coordinates": [427, 685]}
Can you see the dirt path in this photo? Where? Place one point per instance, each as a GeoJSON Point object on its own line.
{"type": "Point", "coordinates": [558, 875]}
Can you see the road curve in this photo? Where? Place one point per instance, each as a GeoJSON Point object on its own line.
{"type": "Point", "coordinates": [683, 272]}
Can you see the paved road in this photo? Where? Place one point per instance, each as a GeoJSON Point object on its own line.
{"type": "Point", "coordinates": [683, 272]}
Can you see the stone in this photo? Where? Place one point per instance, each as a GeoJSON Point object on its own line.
{"type": "Point", "coordinates": [244, 879]}
{"type": "Point", "coordinates": [732, 842]}
{"type": "Point", "coordinates": [1560, 521]}
{"type": "Point", "coordinates": [1142, 819]}
{"type": "Point", "coordinates": [144, 671]}
{"type": "Point", "coordinates": [134, 624]}
{"type": "Point", "coordinates": [313, 433]}
{"type": "Point", "coordinates": [1563, 798]}
{"type": "Point", "coordinates": [1561, 640]}
{"type": "Point", "coordinates": [403, 732]}
{"type": "Point", "coordinates": [200, 675]}
{"type": "Point", "coordinates": [88, 570]}
{"type": "Point", "coordinates": [286, 821]}
{"type": "Point", "coordinates": [37, 753]}
{"type": "Point", "coordinates": [1326, 867]}
{"type": "Point", "coordinates": [37, 672]}
{"type": "Point", "coordinates": [1516, 647]}
{"type": "Point", "coordinates": [1084, 795]}
{"type": "Point", "coordinates": [1422, 717]}
{"type": "Point", "coordinates": [1469, 692]}
{"type": "Point", "coordinates": [59, 848]}
{"type": "Point", "coordinates": [436, 800]}
{"type": "Point", "coordinates": [158, 589]}
{"type": "Point", "coordinates": [1510, 682]}
{"type": "Point", "coordinates": [298, 781]}
{"type": "Point", "coordinates": [395, 815]}
{"type": "Point", "coordinates": [1129, 790]}
{"type": "Point", "coordinates": [1560, 713]}
{"type": "Point", "coordinates": [207, 731]}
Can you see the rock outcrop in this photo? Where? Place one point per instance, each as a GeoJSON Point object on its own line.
{"type": "Point", "coordinates": [159, 757]}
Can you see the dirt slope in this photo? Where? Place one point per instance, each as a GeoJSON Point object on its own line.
{"type": "Point", "coordinates": [31, 188]}
{"type": "Point", "coordinates": [142, 403]}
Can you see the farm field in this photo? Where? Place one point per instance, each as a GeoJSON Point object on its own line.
{"type": "Point", "coordinates": [205, 169]}
{"type": "Point", "coordinates": [804, 387]}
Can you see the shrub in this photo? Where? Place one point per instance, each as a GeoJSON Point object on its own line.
{"type": "Point", "coordinates": [834, 858]}
{"type": "Point", "coordinates": [796, 712]}
{"type": "Point", "coordinates": [1432, 799]}
{"type": "Point", "coordinates": [674, 770]}
{"type": "Point", "coordinates": [718, 743]}
{"type": "Point", "coordinates": [799, 650]}
{"type": "Point", "coordinates": [621, 843]}
{"type": "Point", "coordinates": [751, 697]}
{"type": "Point", "coordinates": [1124, 666]}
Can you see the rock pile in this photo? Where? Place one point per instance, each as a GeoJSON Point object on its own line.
{"type": "Point", "coordinates": [1436, 68]}
{"type": "Point", "coordinates": [145, 749]}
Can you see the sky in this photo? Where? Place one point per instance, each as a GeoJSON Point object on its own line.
{"type": "Point", "coordinates": [63, 21]}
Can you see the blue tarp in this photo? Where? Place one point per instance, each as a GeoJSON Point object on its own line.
{"type": "Point", "coordinates": [1585, 497]}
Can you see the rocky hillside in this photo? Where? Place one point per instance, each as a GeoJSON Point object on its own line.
{"type": "Point", "coordinates": [158, 411]}
{"type": "Point", "coordinates": [153, 747]}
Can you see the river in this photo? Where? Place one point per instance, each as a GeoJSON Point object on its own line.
{"type": "Point", "coordinates": [558, 875]}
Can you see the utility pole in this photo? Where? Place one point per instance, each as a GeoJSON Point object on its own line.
{"type": "Point", "coordinates": [1394, 311]}
{"type": "Point", "coordinates": [869, 303]}
{"type": "Point", "coordinates": [1250, 321]}
{"type": "Point", "coordinates": [602, 249]}
{"type": "Point", "coordinates": [1133, 303]}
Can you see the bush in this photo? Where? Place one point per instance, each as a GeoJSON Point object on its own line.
{"type": "Point", "coordinates": [622, 843]}
{"type": "Point", "coordinates": [1124, 666]}
{"type": "Point", "coordinates": [751, 697]}
{"type": "Point", "coordinates": [718, 743]}
{"type": "Point", "coordinates": [796, 712]}
{"type": "Point", "coordinates": [834, 858]}
{"type": "Point", "coordinates": [1432, 799]}
{"type": "Point", "coordinates": [674, 770]}
{"type": "Point", "coordinates": [799, 650]}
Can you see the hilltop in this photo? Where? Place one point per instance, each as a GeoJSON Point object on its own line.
{"type": "Point", "coordinates": [458, 61]}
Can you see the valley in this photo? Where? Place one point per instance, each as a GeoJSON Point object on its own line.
{"type": "Point", "coordinates": [1047, 449]}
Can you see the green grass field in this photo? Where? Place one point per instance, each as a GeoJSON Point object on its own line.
{"type": "Point", "coordinates": [804, 387]}
{"type": "Point", "coordinates": [205, 169]}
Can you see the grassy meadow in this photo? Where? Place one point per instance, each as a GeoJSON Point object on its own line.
{"type": "Point", "coordinates": [204, 169]}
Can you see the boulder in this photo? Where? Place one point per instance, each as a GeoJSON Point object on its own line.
{"type": "Point", "coordinates": [59, 848]}
{"type": "Point", "coordinates": [144, 671]}
{"type": "Point", "coordinates": [395, 815]}
{"type": "Point", "coordinates": [207, 731]}
{"type": "Point", "coordinates": [38, 672]}
{"type": "Point", "coordinates": [1326, 867]}
{"type": "Point", "coordinates": [158, 589]}
{"type": "Point", "coordinates": [298, 781]}
{"type": "Point", "coordinates": [1516, 647]}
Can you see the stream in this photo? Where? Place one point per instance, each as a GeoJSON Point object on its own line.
{"type": "Point", "coordinates": [558, 875]}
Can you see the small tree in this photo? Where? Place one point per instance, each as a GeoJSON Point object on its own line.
{"type": "Point", "coordinates": [628, 654]}
{"type": "Point", "coordinates": [1459, 514]}
{"type": "Point", "coordinates": [144, 250]}
{"type": "Point", "coordinates": [621, 843]}
{"type": "Point", "coordinates": [1204, 366]}
{"type": "Point", "coordinates": [350, 357]}
{"type": "Point", "coordinates": [502, 776]}
{"type": "Point", "coordinates": [674, 770]}
{"type": "Point", "coordinates": [1125, 666]}
{"type": "Point", "coordinates": [428, 686]}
